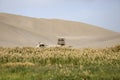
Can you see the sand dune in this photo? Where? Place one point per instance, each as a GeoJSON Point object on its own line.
{"type": "Point", "coordinates": [16, 30]}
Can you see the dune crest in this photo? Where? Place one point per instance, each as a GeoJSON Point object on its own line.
{"type": "Point", "coordinates": [16, 30]}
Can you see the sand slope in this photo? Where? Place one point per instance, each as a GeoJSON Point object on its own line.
{"type": "Point", "coordinates": [16, 30]}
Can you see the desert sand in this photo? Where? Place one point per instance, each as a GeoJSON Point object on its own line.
{"type": "Point", "coordinates": [22, 31]}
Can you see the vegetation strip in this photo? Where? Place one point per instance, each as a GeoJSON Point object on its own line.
{"type": "Point", "coordinates": [59, 63]}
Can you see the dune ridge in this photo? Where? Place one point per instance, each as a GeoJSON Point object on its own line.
{"type": "Point", "coordinates": [16, 30]}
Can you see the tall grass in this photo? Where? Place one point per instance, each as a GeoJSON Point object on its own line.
{"type": "Point", "coordinates": [59, 63]}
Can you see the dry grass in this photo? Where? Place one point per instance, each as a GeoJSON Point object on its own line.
{"type": "Point", "coordinates": [59, 63]}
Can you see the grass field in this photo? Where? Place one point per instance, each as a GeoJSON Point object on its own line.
{"type": "Point", "coordinates": [57, 63]}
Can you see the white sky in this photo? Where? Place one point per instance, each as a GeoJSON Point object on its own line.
{"type": "Point", "coordinates": [104, 13]}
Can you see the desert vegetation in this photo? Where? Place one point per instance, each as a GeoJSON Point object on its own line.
{"type": "Point", "coordinates": [59, 63]}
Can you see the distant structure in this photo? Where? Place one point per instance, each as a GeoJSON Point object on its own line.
{"type": "Point", "coordinates": [61, 42]}
{"type": "Point", "coordinates": [40, 44]}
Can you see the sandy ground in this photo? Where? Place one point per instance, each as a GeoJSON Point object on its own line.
{"type": "Point", "coordinates": [16, 30]}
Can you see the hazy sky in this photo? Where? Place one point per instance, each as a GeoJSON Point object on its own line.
{"type": "Point", "coordinates": [105, 13]}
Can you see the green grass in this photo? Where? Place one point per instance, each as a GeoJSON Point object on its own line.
{"type": "Point", "coordinates": [57, 63]}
